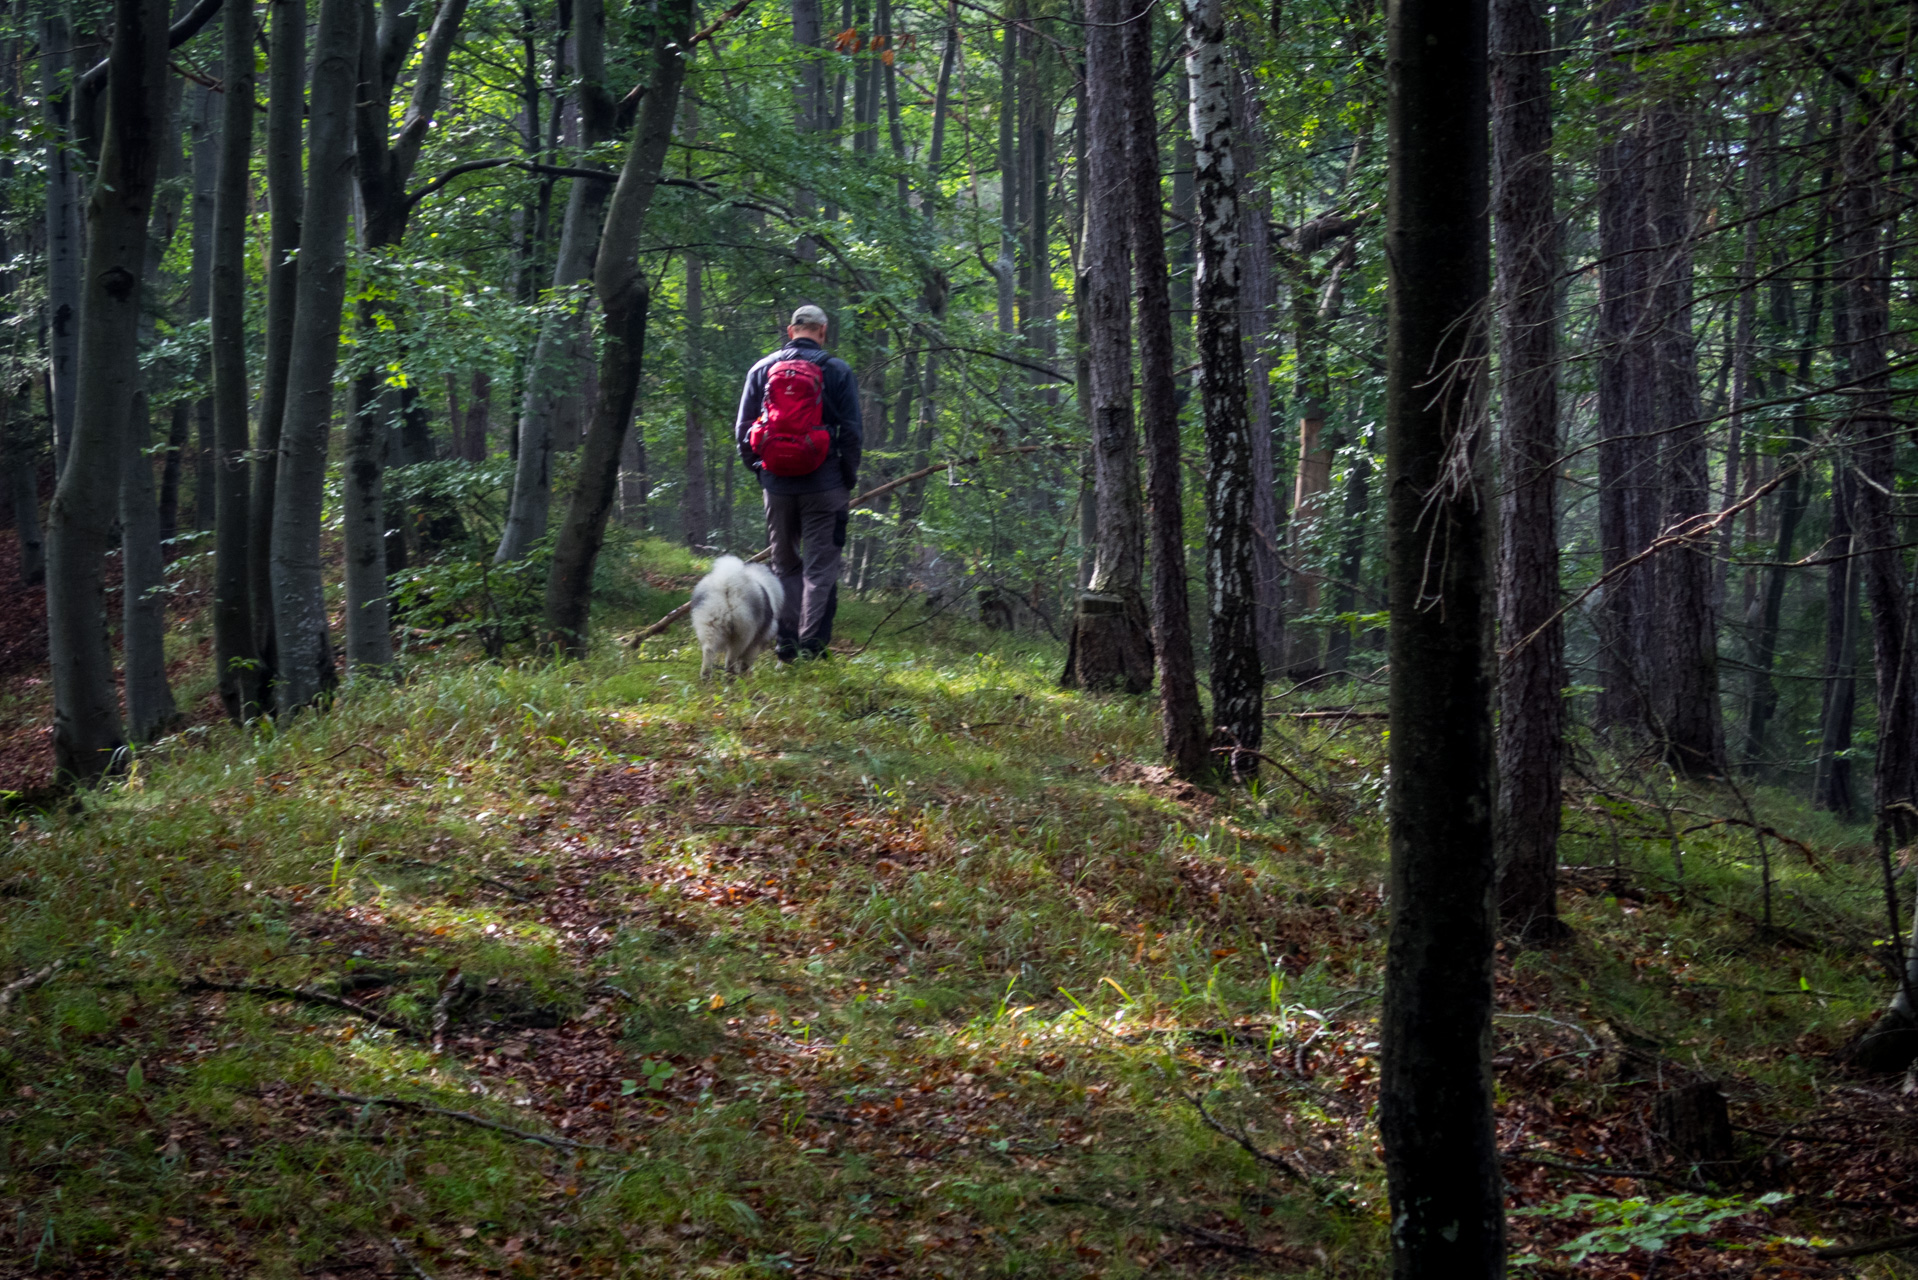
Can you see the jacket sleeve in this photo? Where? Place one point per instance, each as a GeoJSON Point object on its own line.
{"type": "Point", "coordinates": [842, 409]}
{"type": "Point", "coordinates": [749, 401]}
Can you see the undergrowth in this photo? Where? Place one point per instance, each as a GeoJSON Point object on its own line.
{"type": "Point", "coordinates": [904, 962]}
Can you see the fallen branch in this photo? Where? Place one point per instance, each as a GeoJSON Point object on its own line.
{"type": "Point", "coordinates": [1248, 751]}
{"type": "Point", "coordinates": [1606, 1170]}
{"type": "Point", "coordinates": [647, 633]}
{"type": "Point", "coordinates": [1262, 1156]}
{"type": "Point", "coordinates": [306, 996]}
{"type": "Point", "coordinates": [27, 983]}
{"type": "Point", "coordinates": [402, 1104]}
{"type": "Point", "coordinates": [442, 1008]}
{"type": "Point", "coordinates": [405, 1255]}
{"type": "Point", "coordinates": [1335, 715]}
{"type": "Point", "coordinates": [1762, 830]}
{"type": "Point", "coordinates": [1830, 1252]}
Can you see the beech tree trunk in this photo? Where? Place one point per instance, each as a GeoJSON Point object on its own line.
{"type": "Point", "coordinates": [696, 509]}
{"type": "Point", "coordinates": [623, 296]}
{"type": "Point", "coordinates": [86, 714]}
{"type": "Point", "coordinates": [235, 651]}
{"type": "Point", "coordinates": [1110, 645]}
{"type": "Point", "coordinates": [556, 355]}
{"type": "Point", "coordinates": [1238, 678]}
{"type": "Point", "coordinates": [65, 241]}
{"type": "Point", "coordinates": [1531, 675]}
{"type": "Point", "coordinates": [383, 167]}
{"type": "Point", "coordinates": [286, 198]}
{"type": "Point", "coordinates": [304, 653]}
{"type": "Point", "coordinates": [150, 706]}
{"type": "Point", "coordinates": [1435, 1084]}
{"type": "Point", "coordinates": [1181, 718]}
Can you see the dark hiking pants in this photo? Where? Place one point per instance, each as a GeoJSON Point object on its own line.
{"type": "Point", "coordinates": [807, 532]}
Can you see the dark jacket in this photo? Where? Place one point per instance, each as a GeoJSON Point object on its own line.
{"type": "Point", "coordinates": [839, 411]}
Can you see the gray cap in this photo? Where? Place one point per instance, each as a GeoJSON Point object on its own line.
{"type": "Point", "coordinates": [810, 315]}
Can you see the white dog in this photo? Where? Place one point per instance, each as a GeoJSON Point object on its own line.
{"type": "Point", "coordinates": [735, 615]}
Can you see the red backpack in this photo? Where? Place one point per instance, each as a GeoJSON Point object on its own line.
{"type": "Point", "coordinates": [787, 435]}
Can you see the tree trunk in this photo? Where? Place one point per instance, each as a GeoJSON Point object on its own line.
{"type": "Point", "coordinates": [1531, 675]}
{"type": "Point", "coordinates": [1627, 504]}
{"type": "Point", "coordinates": [235, 653]}
{"type": "Point", "coordinates": [1110, 645]}
{"type": "Point", "coordinates": [623, 295]}
{"type": "Point", "coordinates": [203, 131]}
{"type": "Point", "coordinates": [1181, 718]}
{"type": "Point", "coordinates": [23, 483]}
{"type": "Point", "coordinates": [383, 168]}
{"type": "Point", "coordinates": [304, 651]}
{"type": "Point", "coordinates": [697, 507]}
{"type": "Point", "coordinates": [65, 241]}
{"type": "Point", "coordinates": [1435, 1083]}
{"type": "Point", "coordinates": [150, 706]}
{"type": "Point", "coordinates": [1256, 303]}
{"type": "Point", "coordinates": [1861, 346]}
{"type": "Point", "coordinates": [556, 354]}
{"type": "Point", "coordinates": [1238, 679]}
{"type": "Point", "coordinates": [86, 714]}
{"type": "Point", "coordinates": [1685, 670]}
{"type": "Point", "coordinates": [1794, 493]}
{"type": "Point", "coordinates": [1004, 267]}
{"type": "Point", "coordinates": [286, 196]}
{"type": "Point", "coordinates": [1831, 783]}
{"type": "Point", "coordinates": [19, 445]}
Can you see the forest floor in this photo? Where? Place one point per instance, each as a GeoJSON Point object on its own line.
{"type": "Point", "coordinates": [903, 963]}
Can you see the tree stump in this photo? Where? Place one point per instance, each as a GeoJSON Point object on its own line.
{"type": "Point", "coordinates": [1694, 1123]}
{"type": "Point", "coordinates": [1110, 648]}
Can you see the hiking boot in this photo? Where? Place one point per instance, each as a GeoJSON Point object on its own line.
{"type": "Point", "coordinates": [814, 649]}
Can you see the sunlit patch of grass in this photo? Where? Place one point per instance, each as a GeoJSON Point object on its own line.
{"type": "Point", "coordinates": [883, 956]}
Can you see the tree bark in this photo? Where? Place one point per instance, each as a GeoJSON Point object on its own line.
{"type": "Point", "coordinates": [1181, 719]}
{"type": "Point", "coordinates": [182, 455]}
{"type": "Point", "coordinates": [150, 706]}
{"type": "Point", "coordinates": [1627, 512]}
{"type": "Point", "coordinates": [235, 652]}
{"type": "Point", "coordinates": [1861, 345]}
{"type": "Point", "coordinates": [1690, 726]}
{"type": "Point", "coordinates": [383, 167]}
{"type": "Point", "coordinates": [1238, 679]}
{"type": "Point", "coordinates": [65, 241]}
{"type": "Point", "coordinates": [1831, 782]}
{"type": "Point", "coordinates": [21, 448]}
{"type": "Point", "coordinates": [1110, 645]}
{"type": "Point", "coordinates": [286, 197]}
{"type": "Point", "coordinates": [557, 352]}
{"type": "Point", "coordinates": [86, 716]}
{"type": "Point", "coordinates": [696, 510]}
{"type": "Point", "coordinates": [1794, 493]}
{"type": "Point", "coordinates": [304, 665]}
{"type": "Point", "coordinates": [1256, 304]}
{"type": "Point", "coordinates": [623, 296]}
{"type": "Point", "coordinates": [1531, 674]}
{"type": "Point", "coordinates": [1435, 1094]}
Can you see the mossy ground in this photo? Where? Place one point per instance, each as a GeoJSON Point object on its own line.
{"type": "Point", "coordinates": [902, 963]}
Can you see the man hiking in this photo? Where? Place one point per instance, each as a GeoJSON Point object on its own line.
{"type": "Point", "coordinates": [798, 429]}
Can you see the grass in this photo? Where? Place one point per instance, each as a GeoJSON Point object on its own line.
{"type": "Point", "coordinates": [902, 963]}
